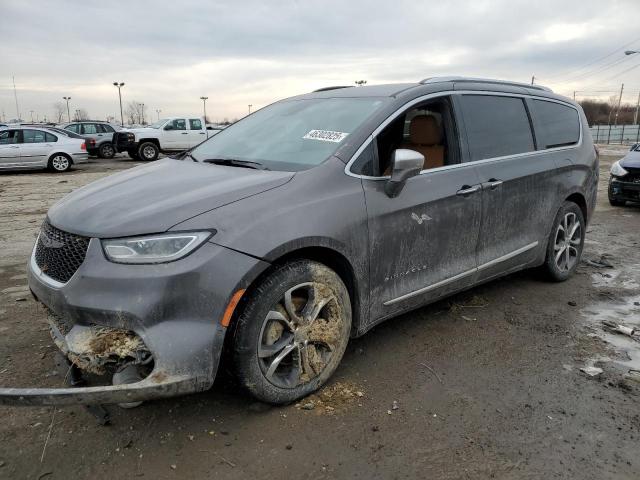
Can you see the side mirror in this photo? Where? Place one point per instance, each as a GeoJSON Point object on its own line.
{"type": "Point", "coordinates": [404, 165]}
{"type": "Point", "coordinates": [169, 127]}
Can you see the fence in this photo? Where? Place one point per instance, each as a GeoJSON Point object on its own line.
{"type": "Point", "coordinates": [616, 134]}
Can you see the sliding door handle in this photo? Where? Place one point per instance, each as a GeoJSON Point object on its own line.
{"type": "Point", "coordinates": [467, 190]}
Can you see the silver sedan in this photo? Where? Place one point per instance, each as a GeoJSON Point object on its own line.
{"type": "Point", "coordinates": [36, 148]}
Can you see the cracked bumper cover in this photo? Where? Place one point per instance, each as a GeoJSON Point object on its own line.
{"type": "Point", "coordinates": [175, 308]}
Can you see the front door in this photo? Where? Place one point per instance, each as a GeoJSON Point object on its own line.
{"type": "Point", "coordinates": [175, 135]}
{"type": "Point", "coordinates": [422, 243]}
{"type": "Point", "coordinates": [9, 148]}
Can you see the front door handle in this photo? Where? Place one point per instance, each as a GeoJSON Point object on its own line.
{"type": "Point", "coordinates": [467, 190]}
{"type": "Point", "coordinates": [493, 183]}
{"type": "Point", "coordinates": [14, 146]}
{"type": "Point", "coordinates": [185, 133]}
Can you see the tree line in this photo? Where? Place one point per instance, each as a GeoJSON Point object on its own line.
{"type": "Point", "coordinates": [599, 112]}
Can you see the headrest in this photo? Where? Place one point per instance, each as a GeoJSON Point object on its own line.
{"type": "Point", "coordinates": [424, 130]}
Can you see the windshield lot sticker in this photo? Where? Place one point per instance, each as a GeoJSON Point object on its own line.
{"type": "Point", "coordinates": [326, 136]}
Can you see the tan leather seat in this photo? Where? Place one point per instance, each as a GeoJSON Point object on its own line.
{"type": "Point", "coordinates": [425, 136]}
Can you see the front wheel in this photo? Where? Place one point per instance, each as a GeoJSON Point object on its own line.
{"type": "Point", "coordinates": [292, 332]}
{"type": "Point", "coordinates": [566, 241]}
{"type": "Point", "coordinates": [148, 151]}
{"type": "Point", "coordinates": [59, 163]}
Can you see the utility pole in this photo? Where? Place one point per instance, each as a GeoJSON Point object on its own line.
{"type": "Point", "coordinates": [120, 85]}
{"type": "Point", "coordinates": [635, 117]}
{"type": "Point", "coordinates": [574, 95]}
{"type": "Point", "coordinates": [204, 106]}
{"type": "Point", "coordinates": [15, 94]}
{"type": "Point", "coordinates": [533, 79]}
{"type": "Point", "coordinates": [615, 120]}
{"type": "Point", "coordinates": [158, 113]}
{"type": "Point", "coordinates": [68, 111]}
{"type": "Point", "coordinates": [142, 110]}
{"type": "Point", "coordinates": [250, 105]}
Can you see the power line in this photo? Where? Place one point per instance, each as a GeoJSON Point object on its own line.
{"type": "Point", "coordinates": [624, 71]}
{"type": "Point", "coordinates": [571, 72]}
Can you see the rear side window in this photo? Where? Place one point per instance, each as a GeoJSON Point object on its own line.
{"type": "Point", "coordinates": [557, 125]}
{"type": "Point", "coordinates": [496, 126]}
{"type": "Point", "coordinates": [89, 129]}
{"type": "Point", "coordinates": [72, 128]}
{"type": "Point", "coordinates": [195, 124]}
{"type": "Point", "coordinates": [33, 136]}
{"type": "Point", "coordinates": [50, 137]}
{"type": "Point", "coordinates": [105, 128]}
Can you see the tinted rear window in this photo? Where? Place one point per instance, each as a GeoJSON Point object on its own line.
{"type": "Point", "coordinates": [557, 125]}
{"type": "Point", "coordinates": [496, 126]}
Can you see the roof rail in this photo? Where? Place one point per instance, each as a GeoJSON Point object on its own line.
{"type": "Point", "coordinates": [324, 89]}
{"type": "Point", "coordinates": [482, 80]}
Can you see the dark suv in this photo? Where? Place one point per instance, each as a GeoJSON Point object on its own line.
{"type": "Point", "coordinates": [304, 224]}
{"type": "Point", "coordinates": [101, 132]}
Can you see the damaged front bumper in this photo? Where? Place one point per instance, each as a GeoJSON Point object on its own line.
{"type": "Point", "coordinates": [173, 309]}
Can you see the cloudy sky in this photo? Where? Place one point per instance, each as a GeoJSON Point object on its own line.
{"type": "Point", "coordinates": [244, 52]}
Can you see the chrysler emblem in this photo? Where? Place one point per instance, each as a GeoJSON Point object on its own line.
{"type": "Point", "coordinates": [49, 242]}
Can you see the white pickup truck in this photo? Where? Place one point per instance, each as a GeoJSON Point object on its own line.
{"type": "Point", "coordinates": [167, 135]}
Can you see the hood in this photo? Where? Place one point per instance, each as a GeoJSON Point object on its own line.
{"type": "Point", "coordinates": [152, 198]}
{"type": "Point", "coordinates": [142, 130]}
{"type": "Point", "coordinates": [631, 160]}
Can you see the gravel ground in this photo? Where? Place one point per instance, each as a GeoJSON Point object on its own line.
{"type": "Point", "coordinates": [485, 384]}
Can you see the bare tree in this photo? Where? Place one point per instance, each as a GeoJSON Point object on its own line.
{"type": "Point", "coordinates": [59, 110]}
{"type": "Point", "coordinates": [133, 112]}
{"type": "Point", "coordinates": [82, 114]}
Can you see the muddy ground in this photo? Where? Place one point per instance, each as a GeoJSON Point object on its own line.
{"type": "Point", "coordinates": [483, 385]}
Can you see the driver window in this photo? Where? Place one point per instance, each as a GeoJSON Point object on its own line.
{"type": "Point", "coordinates": [179, 124]}
{"type": "Point", "coordinates": [428, 128]}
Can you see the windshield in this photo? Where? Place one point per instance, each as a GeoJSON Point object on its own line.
{"type": "Point", "coordinates": [159, 123]}
{"type": "Point", "coordinates": [290, 135]}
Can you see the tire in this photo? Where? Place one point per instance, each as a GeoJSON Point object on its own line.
{"type": "Point", "coordinates": [280, 352]}
{"type": "Point", "coordinates": [59, 163]}
{"type": "Point", "coordinates": [148, 151]}
{"type": "Point", "coordinates": [564, 252]}
{"type": "Point", "coordinates": [133, 154]}
{"type": "Point", "coordinates": [106, 150]}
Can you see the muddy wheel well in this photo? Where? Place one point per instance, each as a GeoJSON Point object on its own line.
{"type": "Point", "coordinates": [579, 200]}
{"type": "Point", "coordinates": [331, 258]}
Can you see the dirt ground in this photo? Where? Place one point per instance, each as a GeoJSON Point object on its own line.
{"type": "Point", "coordinates": [486, 384]}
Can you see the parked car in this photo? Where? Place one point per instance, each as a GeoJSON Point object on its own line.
{"type": "Point", "coordinates": [624, 181]}
{"type": "Point", "coordinates": [3, 125]}
{"type": "Point", "coordinates": [100, 132]}
{"type": "Point", "coordinates": [27, 147]}
{"type": "Point", "coordinates": [304, 224]}
{"type": "Point", "coordinates": [168, 135]}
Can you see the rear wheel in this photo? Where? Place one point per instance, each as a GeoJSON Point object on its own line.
{"type": "Point", "coordinates": [59, 163]}
{"type": "Point", "coordinates": [565, 244]}
{"type": "Point", "coordinates": [292, 332]}
{"type": "Point", "coordinates": [106, 150]}
{"type": "Point", "coordinates": [148, 151]}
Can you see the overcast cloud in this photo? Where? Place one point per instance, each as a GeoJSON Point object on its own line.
{"type": "Point", "coordinates": [254, 52]}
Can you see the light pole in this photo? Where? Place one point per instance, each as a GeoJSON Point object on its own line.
{"type": "Point", "coordinates": [158, 113]}
{"type": "Point", "coordinates": [142, 110]}
{"type": "Point", "coordinates": [31, 112]}
{"type": "Point", "coordinates": [77, 114]}
{"type": "Point", "coordinates": [250, 105]}
{"type": "Point", "coordinates": [68, 112]}
{"type": "Point", "coordinates": [204, 106]}
{"type": "Point", "coordinates": [120, 85]}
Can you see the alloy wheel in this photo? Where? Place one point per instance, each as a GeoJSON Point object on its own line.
{"type": "Point", "coordinates": [299, 335]}
{"type": "Point", "coordinates": [60, 163]}
{"type": "Point", "coordinates": [149, 152]}
{"type": "Point", "coordinates": [567, 242]}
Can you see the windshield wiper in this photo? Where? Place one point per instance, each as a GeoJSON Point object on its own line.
{"type": "Point", "coordinates": [233, 162]}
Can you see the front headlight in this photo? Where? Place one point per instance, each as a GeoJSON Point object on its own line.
{"type": "Point", "coordinates": [617, 170]}
{"type": "Point", "coordinates": [154, 248]}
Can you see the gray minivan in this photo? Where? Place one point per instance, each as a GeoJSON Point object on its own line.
{"type": "Point", "coordinates": [302, 225]}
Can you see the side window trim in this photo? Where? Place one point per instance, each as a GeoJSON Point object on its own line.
{"type": "Point", "coordinates": [454, 93]}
